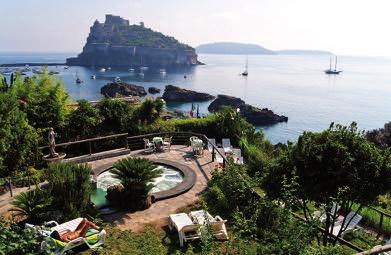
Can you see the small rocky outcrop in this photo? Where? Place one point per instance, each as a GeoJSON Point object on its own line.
{"type": "Point", "coordinates": [254, 115]}
{"type": "Point", "coordinates": [176, 94]}
{"type": "Point", "coordinates": [153, 90]}
{"type": "Point", "coordinates": [118, 89]}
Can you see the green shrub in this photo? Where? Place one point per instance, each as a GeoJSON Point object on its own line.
{"type": "Point", "coordinates": [16, 241]}
{"type": "Point", "coordinates": [70, 186]}
{"type": "Point", "coordinates": [34, 205]}
{"type": "Point", "coordinates": [227, 191]}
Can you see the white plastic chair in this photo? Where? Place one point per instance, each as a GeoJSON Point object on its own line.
{"type": "Point", "coordinates": [167, 143]}
{"type": "Point", "coordinates": [148, 146]}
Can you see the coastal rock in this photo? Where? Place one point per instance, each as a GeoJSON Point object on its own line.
{"type": "Point", "coordinates": [153, 90]}
{"type": "Point", "coordinates": [254, 115]}
{"type": "Point", "coordinates": [116, 89]}
{"type": "Point", "coordinates": [117, 43]}
{"type": "Point", "coordinates": [176, 94]}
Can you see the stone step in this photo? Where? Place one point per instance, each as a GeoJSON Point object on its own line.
{"type": "Point", "coordinates": [98, 156]}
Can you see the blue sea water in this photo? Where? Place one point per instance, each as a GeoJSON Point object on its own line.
{"type": "Point", "coordinates": [294, 86]}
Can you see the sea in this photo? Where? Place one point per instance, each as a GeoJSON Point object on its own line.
{"type": "Point", "coordinates": [291, 85]}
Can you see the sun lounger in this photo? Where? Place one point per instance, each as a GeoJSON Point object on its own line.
{"type": "Point", "coordinates": [211, 141]}
{"type": "Point", "coordinates": [217, 223]}
{"type": "Point", "coordinates": [351, 222]}
{"type": "Point", "coordinates": [219, 158]}
{"type": "Point", "coordinates": [322, 215]}
{"type": "Point", "coordinates": [185, 227]}
{"type": "Point", "coordinates": [387, 252]}
{"type": "Point", "coordinates": [93, 238]}
{"type": "Point", "coordinates": [227, 145]}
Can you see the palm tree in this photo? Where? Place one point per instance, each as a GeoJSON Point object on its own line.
{"type": "Point", "coordinates": [33, 205]}
{"type": "Point", "coordinates": [136, 175]}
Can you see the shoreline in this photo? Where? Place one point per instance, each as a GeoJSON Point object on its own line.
{"type": "Point", "coordinates": [31, 64]}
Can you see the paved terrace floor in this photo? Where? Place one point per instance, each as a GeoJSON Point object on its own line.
{"type": "Point", "coordinates": [157, 214]}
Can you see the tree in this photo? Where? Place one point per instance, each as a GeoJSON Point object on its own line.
{"type": "Point", "coordinates": [70, 187]}
{"type": "Point", "coordinates": [149, 111]}
{"type": "Point", "coordinates": [337, 165]}
{"type": "Point", "coordinates": [231, 124]}
{"type": "Point", "coordinates": [18, 140]}
{"type": "Point", "coordinates": [115, 115]}
{"type": "Point", "coordinates": [43, 99]}
{"type": "Point", "coordinates": [381, 137]}
{"type": "Point", "coordinates": [136, 175]}
{"type": "Point", "coordinates": [3, 84]}
{"type": "Point", "coordinates": [83, 121]}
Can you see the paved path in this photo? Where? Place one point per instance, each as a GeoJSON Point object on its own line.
{"type": "Point", "coordinates": [6, 199]}
{"type": "Point", "coordinates": [157, 214]}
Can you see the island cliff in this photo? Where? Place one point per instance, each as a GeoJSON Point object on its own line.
{"type": "Point", "coordinates": [116, 43]}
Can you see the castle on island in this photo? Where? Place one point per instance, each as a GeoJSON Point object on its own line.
{"type": "Point", "coordinates": [117, 43]}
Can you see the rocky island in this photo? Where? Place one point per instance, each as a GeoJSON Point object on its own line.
{"type": "Point", "coordinates": [116, 43]}
{"type": "Point", "coordinates": [254, 115]}
{"type": "Point", "coordinates": [176, 94]}
{"type": "Point", "coordinates": [118, 89]}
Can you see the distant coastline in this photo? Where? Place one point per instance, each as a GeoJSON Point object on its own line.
{"type": "Point", "coordinates": [233, 48]}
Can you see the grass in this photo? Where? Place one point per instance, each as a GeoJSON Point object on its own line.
{"type": "Point", "coordinates": [362, 239]}
{"type": "Point", "coordinates": [371, 219]}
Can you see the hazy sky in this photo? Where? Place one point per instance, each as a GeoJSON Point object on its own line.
{"type": "Point", "coordinates": [349, 27]}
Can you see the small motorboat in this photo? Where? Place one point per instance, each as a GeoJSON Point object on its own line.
{"type": "Point", "coordinates": [93, 77]}
{"type": "Point", "coordinates": [102, 70]}
{"type": "Point", "coordinates": [78, 80]}
{"type": "Point", "coordinates": [66, 67]}
{"type": "Point", "coordinates": [109, 68]}
{"type": "Point", "coordinates": [144, 68]}
{"type": "Point", "coordinates": [131, 70]}
{"type": "Point", "coordinates": [117, 79]}
{"type": "Point", "coordinates": [162, 71]}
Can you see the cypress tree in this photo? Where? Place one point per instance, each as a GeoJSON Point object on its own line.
{"type": "Point", "coordinates": [12, 79]}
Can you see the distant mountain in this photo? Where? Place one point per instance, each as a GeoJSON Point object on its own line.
{"type": "Point", "coordinates": [233, 48]}
{"type": "Point", "coordinates": [303, 52]}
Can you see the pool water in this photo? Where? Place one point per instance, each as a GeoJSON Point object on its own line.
{"type": "Point", "coordinates": [169, 179]}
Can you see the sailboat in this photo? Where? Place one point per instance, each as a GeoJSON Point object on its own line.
{"type": "Point", "coordinates": [245, 72]}
{"type": "Point", "coordinates": [333, 71]}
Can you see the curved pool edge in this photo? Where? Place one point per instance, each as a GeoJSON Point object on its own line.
{"type": "Point", "coordinates": [189, 179]}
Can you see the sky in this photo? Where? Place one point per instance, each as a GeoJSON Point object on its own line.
{"type": "Point", "coordinates": [345, 27]}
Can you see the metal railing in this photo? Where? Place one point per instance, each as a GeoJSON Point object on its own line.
{"type": "Point", "coordinates": [137, 143]}
{"type": "Point", "coordinates": [90, 141]}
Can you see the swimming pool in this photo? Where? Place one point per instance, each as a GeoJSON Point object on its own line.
{"type": "Point", "coordinates": [170, 178]}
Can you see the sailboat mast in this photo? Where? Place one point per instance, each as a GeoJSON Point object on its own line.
{"type": "Point", "coordinates": [246, 63]}
{"type": "Point", "coordinates": [336, 59]}
{"type": "Point", "coordinates": [330, 63]}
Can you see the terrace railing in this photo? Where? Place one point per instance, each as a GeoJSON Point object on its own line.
{"type": "Point", "coordinates": [90, 141]}
{"type": "Point", "coordinates": [137, 142]}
